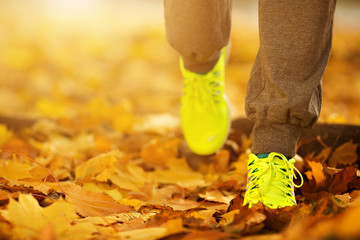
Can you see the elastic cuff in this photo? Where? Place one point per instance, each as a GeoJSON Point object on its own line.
{"type": "Point", "coordinates": [201, 65]}
{"type": "Point", "coordinates": [272, 137]}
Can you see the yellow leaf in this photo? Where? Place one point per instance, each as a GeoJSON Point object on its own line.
{"type": "Point", "coordinates": [130, 177]}
{"type": "Point", "coordinates": [107, 220]}
{"type": "Point", "coordinates": [179, 173]}
{"type": "Point", "coordinates": [135, 203]}
{"type": "Point", "coordinates": [12, 170]}
{"type": "Point", "coordinates": [28, 219]}
{"type": "Point", "coordinates": [100, 167]}
{"type": "Point", "coordinates": [174, 226]}
{"type": "Point", "coordinates": [112, 191]}
{"type": "Point", "coordinates": [5, 134]}
{"type": "Point", "coordinates": [39, 172]}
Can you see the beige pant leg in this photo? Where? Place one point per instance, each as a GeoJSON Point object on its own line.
{"type": "Point", "coordinates": [284, 90]}
{"type": "Point", "coordinates": [198, 29]}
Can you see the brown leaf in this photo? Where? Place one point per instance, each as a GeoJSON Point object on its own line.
{"type": "Point", "coordinates": [221, 160]}
{"type": "Point", "coordinates": [248, 220]}
{"type": "Point", "coordinates": [344, 155]}
{"type": "Point", "coordinates": [236, 203]}
{"type": "Point", "coordinates": [340, 182]}
{"type": "Point", "coordinates": [278, 219]}
{"type": "Point", "coordinates": [92, 204]}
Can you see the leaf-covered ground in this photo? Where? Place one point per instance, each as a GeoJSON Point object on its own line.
{"type": "Point", "coordinates": [91, 146]}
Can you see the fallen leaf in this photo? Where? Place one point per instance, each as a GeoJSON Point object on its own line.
{"type": "Point", "coordinates": [12, 170]}
{"type": "Point", "coordinates": [332, 171]}
{"type": "Point", "coordinates": [108, 220]}
{"type": "Point", "coordinates": [130, 177]}
{"type": "Point", "coordinates": [344, 155]}
{"type": "Point", "coordinates": [339, 183]}
{"type": "Point", "coordinates": [228, 217]}
{"type": "Point", "coordinates": [322, 156]}
{"type": "Point", "coordinates": [112, 191]}
{"type": "Point", "coordinates": [246, 222]}
{"type": "Point", "coordinates": [5, 134]}
{"type": "Point", "coordinates": [29, 219]}
{"type": "Point", "coordinates": [158, 151]}
{"type": "Point", "coordinates": [342, 200]}
{"type": "Point", "coordinates": [179, 173]}
{"type": "Point", "coordinates": [100, 167]}
{"type": "Point", "coordinates": [221, 160]}
{"type": "Point", "coordinates": [92, 204]}
{"type": "Point", "coordinates": [5, 195]}
{"type": "Point", "coordinates": [217, 196]}
{"type": "Point", "coordinates": [317, 173]}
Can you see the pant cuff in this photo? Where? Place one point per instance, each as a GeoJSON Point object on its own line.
{"type": "Point", "coordinates": [271, 137]}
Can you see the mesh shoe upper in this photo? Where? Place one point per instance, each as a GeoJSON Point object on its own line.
{"type": "Point", "coordinates": [270, 181]}
{"type": "Point", "coordinates": [205, 115]}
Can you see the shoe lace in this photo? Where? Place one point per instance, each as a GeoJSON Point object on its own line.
{"type": "Point", "coordinates": [283, 170]}
{"type": "Point", "coordinates": [279, 168]}
{"type": "Point", "coordinates": [206, 89]}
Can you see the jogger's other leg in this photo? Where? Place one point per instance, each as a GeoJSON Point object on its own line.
{"type": "Point", "coordinates": [198, 29]}
{"type": "Point", "coordinates": [284, 91]}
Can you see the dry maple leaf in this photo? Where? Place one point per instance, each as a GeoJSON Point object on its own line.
{"type": "Point", "coordinates": [158, 151]}
{"type": "Point", "coordinates": [317, 173]}
{"type": "Point", "coordinates": [91, 203]}
{"type": "Point", "coordinates": [345, 154]}
{"type": "Point", "coordinates": [111, 219]}
{"type": "Point", "coordinates": [13, 170]}
{"type": "Point", "coordinates": [100, 167]}
{"type": "Point", "coordinates": [248, 221]}
{"type": "Point", "coordinates": [217, 196]}
{"type": "Point", "coordinates": [29, 219]}
{"type": "Point", "coordinates": [130, 177]}
{"type": "Point", "coordinates": [340, 182]}
{"type": "Point", "coordinates": [179, 173]}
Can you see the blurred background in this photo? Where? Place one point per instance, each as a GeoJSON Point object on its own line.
{"type": "Point", "coordinates": [96, 60]}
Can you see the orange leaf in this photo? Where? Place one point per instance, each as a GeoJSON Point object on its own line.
{"type": "Point", "coordinates": [317, 172]}
{"type": "Point", "coordinates": [92, 204]}
{"type": "Point", "coordinates": [158, 151]}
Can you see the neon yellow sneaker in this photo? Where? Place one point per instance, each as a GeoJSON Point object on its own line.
{"type": "Point", "coordinates": [270, 181]}
{"type": "Point", "coordinates": [205, 114]}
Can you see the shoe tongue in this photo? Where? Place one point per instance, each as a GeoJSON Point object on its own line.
{"type": "Point", "coordinates": [262, 155]}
